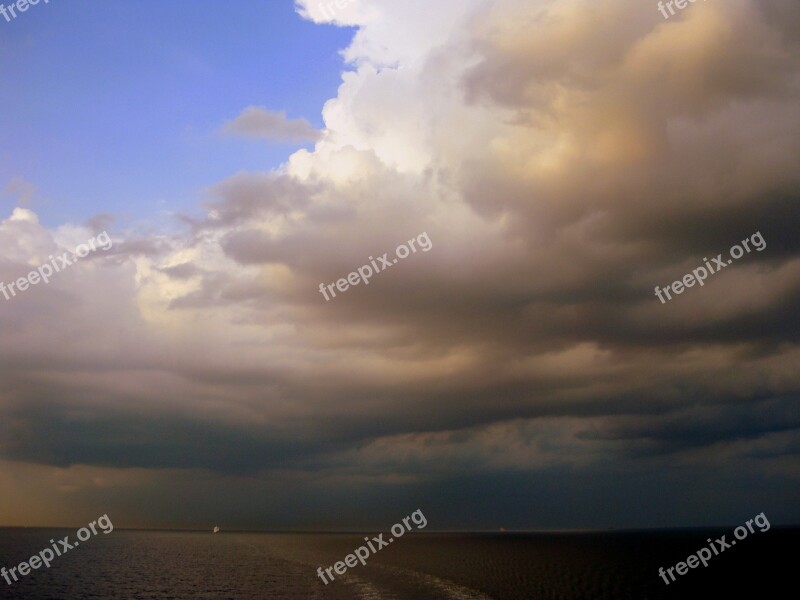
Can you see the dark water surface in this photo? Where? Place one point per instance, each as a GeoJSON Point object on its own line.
{"type": "Point", "coordinates": [420, 566]}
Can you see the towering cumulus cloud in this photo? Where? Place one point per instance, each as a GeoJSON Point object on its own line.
{"type": "Point", "coordinates": [566, 156]}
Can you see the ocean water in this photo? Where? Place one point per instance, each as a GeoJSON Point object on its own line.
{"type": "Point", "coordinates": [420, 566]}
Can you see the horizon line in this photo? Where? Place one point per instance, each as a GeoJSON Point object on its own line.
{"type": "Point", "coordinates": [439, 531]}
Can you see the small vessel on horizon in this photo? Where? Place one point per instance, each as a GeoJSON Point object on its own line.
{"type": "Point", "coordinates": [216, 529]}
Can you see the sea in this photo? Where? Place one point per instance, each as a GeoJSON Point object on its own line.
{"type": "Point", "coordinates": [615, 565]}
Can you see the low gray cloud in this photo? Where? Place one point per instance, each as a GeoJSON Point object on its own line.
{"type": "Point", "coordinates": [260, 122]}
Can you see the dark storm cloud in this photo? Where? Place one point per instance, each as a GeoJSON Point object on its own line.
{"type": "Point", "coordinates": [706, 425]}
{"type": "Point", "coordinates": [49, 434]}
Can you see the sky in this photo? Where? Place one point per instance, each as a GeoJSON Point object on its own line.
{"type": "Point", "coordinates": [114, 109]}
{"type": "Point", "coordinates": [556, 162]}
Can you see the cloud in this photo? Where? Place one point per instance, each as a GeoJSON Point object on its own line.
{"type": "Point", "coordinates": [260, 122]}
{"type": "Point", "coordinates": [564, 158]}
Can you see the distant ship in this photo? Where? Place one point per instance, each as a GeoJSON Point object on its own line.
{"type": "Point", "coordinates": [216, 529]}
